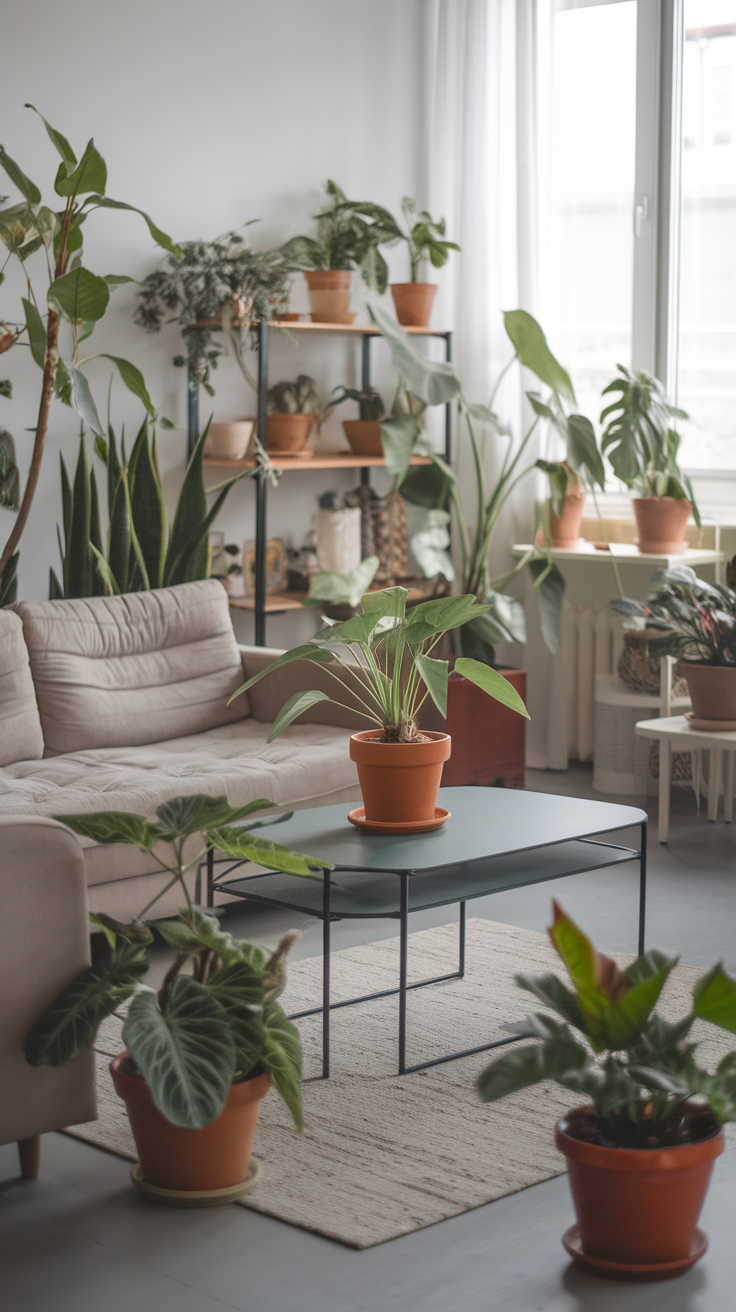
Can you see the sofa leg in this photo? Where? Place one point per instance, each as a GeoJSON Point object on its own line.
{"type": "Point", "coordinates": [29, 1152]}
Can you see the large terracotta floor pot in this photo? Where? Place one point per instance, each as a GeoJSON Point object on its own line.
{"type": "Point", "coordinates": [661, 522]}
{"type": "Point", "coordinates": [364, 436]}
{"type": "Point", "coordinates": [329, 295]}
{"type": "Point", "coordinates": [637, 1206]}
{"type": "Point", "coordinates": [215, 1157]}
{"type": "Point", "coordinates": [488, 739]}
{"type": "Point", "coordinates": [564, 529]}
{"type": "Point", "coordinates": [413, 302]}
{"type": "Point", "coordinates": [285, 433]}
{"type": "Point", "coordinates": [712, 690]}
{"type": "Point", "coordinates": [399, 782]}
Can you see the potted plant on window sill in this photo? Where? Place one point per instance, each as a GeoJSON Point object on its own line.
{"type": "Point", "coordinates": [202, 1050]}
{"type": "Point", "coordinates": [293, 410]}
{"type": "Point", "coordinates": [640, 1153]}
{"type": "Point", "coordinates": [694, 621]}
{"type": "Point", "coordinates": [388, 675]}
{"type": "Point", "coordinates": [642, 447]}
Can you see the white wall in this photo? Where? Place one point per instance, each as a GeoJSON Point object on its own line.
{"type": "Point", "coordinates": [207, 114]}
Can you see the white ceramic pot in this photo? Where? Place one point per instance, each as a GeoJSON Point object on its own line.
{"type": "Point", "coordinates": [338, 539]}
{"type": "Point", "coordinates": [229, 441]}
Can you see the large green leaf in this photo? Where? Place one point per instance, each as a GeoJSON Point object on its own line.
{"type": "Point", "coordinates": [69, 1026]}
{"type": "Point", "coordinates": [441, 615]}
{"type": "Point", "coordinates": [714, 998]}
{"type": "Point", "coordinates": [624, 1021]}
{"type": "Point", "coordinates": [307, 652]}
{"type": "Point", "coordinates": [59, 141]}
{"type": "Point", "coordinates": [434, 674]}
{"type": "Point", "coordinates": [553, 993]}
{"type": "Point", "coordinates": [328, 586]}
{"type": "Point", "coordinates": [399, 436]}
{"type": "Point", "coordinates": [133, 379]}
{"type": "Point", "coordinates": [238, 987]}
{"type": "Point", "coordinates": [554, 1059]}
{"type": "Point", "coordinates": [431, 380]}
{"type": "Point", "coordinates": [531, 347]}
{"type": "Point", "coordinates": [90, 174]}
{"type": "Point", "coordinates": [114, 827]}
{"type": "Point", "coordinates": [196, 929]}
{"type": "Point", "coordinates": [274, 856]}
{"type": "Point", "coordinates": [491, 682]}
{"type": "Point", "coordinates": [429, 538]}
{"type": "Point", "coordinates": [386, 603]}
{"type": "Point", "coordinates": [79, 295]}
{"type": "Point", "coordinates": [282, 1056]}
{"type": "Point", "coordinates": [583, 450]}
{"type": "Point", "coordinates": [550, 588]}
{"type": "Point", "coordinates": [293, 708]}
{"type": "Point", "coordinates": [197, 812]}
{"type": "Point", "coordinates": [36, 332]}
{"type": "Point", "coordinates": [83, 400]}
{"type": "Point", "coordinates": [17, 176]}
{"type": "Point", "coordinates": [161, 238]}
{"type": "Point", "coordinates": [185, 1052]}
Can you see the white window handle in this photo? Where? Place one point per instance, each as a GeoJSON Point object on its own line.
{"type": "Point", "coordinates": [641, 212]}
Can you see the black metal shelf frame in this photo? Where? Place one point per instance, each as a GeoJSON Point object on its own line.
{"type": "Point", "coordinates": [260, 480]}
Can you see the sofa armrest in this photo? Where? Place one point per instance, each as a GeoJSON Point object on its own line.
{"type": "Point", "coordinates": [44, 943]}
{"type": "Point", "coordinates": [268, 696]}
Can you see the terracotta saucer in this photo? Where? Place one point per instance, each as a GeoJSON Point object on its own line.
{"type": "Point", "coordinates": [357, 818]}
{"type": "Point", "coordinates": [307, 454]}
{"type": "Point", "coordinates": [710, 726]}
{"type": "Point", "coordinates": [197, 1197]}
{"type": "Point", "coordinates": [599, 1266]}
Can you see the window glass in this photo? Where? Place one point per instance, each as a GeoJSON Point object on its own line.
{"type": "Point", "coordinates": [706, 345]}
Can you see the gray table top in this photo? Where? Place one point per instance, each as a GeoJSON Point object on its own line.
{"type": "Point", "coordinates": [485, 822]}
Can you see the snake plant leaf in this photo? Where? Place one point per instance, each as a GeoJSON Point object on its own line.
{"type": "Point", "coordinates": [282, 1056]}
{"type": "Point", "coordinates": [399, 436]}
{"type": "Point", "coordinates": [274, 856]}
{"type": "Point", "coordinates": [17, 176]}
{"type": "Point", "coordinates": [114, 827]}
{"type": "Point", "coordinates": [69, 1026]}
{"type": "Point", "coordinates": [184, 1051]}
{"type": "Point", "coordinates": [9, 473]}
{"type": "Point", "coordinates": [531, 347]}
{"type": "Point", "coordinates": [107, 578]}
{"type": "Point", "coordinates": [9, 581]}
{"type": "Point", "coordinates": [308, 651]}
{"type": "Point", "coordinates": [435, 675]}
{"type": "Point", "coordinates": [56, 592]}
{"type": "Point", "coordinates": [57, 140]}
{"type": "Point", "coordinates": [491, 682]}
{"type": "Point", "coordinates": [99, 582]}
{"type": "Point", "coordinates": [147, 508]}
{"type": "Point", "coordinates": [36, 332]}
{"type": "Point", "coordinates": [190, 514]}
{"type": "Point", "coordinates": [714, 998]}
{"type": "Point", "coordinates": [79, 295]}
{"type": "Point", "coordinates": [77, 563]}
{"type": "Point", "coordinates": [132, 377]}
{"type": "Point", "coordinates": [431, 380]}
{"type": "Point", "coordinates": [554, 1059]}
{"type": "Point", "coordinates": [118, 543]}
{"type": "Point", "coordinates": [293, 708]}
{"type": "Point", "coordinates": [90, 174]}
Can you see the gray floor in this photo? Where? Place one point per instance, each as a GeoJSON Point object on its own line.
{"type": "Point", "coordinates": [80, 1238]}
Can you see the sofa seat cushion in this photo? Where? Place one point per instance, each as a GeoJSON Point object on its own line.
{"type": "Point", "coordinates": [21, 738]}
{"type": "Point", "coordinates": [308, 764]}
{"type": "Point", "coordinates": [135, 669]}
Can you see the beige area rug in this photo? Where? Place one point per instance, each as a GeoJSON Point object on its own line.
{"type": "Point", "coordinates": [382, 1155]}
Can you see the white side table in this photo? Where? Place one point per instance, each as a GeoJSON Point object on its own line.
{"type": "Point", "coordinates": [675, 733]}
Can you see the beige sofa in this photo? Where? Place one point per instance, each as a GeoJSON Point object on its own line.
{"type": "Point", "coordinates": [119, 703]}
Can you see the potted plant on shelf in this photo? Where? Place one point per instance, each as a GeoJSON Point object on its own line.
{"type": "Point", "coordinates": [566, 503]}
{"type": "Point", "coordinates": [488, 744]}
{"type": "Point", "coordinates": [696, 622]}
{"type": "Point", "coordinates": [364, 433]}
{"type": "Point", "coordinates": [344, 242]}
{"type": "Point", "coordinates": [293, 410]}
{"type": "Point", "coordinates": [202, 1050]}
{"type": "Point", "coordinates": [641, 1151]}
{"type": "Point", "coordinates": [425, 238]}
{"type": "Point", "coordinates": [642, 447]}
{"type": "Point", "coordinates": [389, 675]}
{"type": "Point", "coordinates": [210, 285]}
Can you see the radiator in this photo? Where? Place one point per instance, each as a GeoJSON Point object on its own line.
{"type": "Point", "coordinates": [591, 641]}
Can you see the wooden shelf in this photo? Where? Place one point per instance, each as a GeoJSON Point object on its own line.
{"type": "Point", "coordinates": [329, 460]}
{"type": "Point", "coordinates": [306, 326]}
{"type": "Point", "coordinates": [275, 602]}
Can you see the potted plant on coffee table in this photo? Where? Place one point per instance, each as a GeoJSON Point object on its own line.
{"type": "Point", "coordinates": [642, 446]}
{"type": "Point", "coordinates": [641, 1150]}
{"type": "Point", "coordinates": [344, 242]}
{"type": "Point", "coordinates": [293, 410]}
{"type": "Point", "coordinates": [696, 622]}
{"type": "Point", "coordinates": [201, 1050]}
{"type": "Point", "coordinates": [381, 660]}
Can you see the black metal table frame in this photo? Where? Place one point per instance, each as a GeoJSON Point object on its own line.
{"type": "Point", "coordinates": [326, 916]}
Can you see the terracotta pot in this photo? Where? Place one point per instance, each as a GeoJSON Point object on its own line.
{"type": "Point", "coordinates": [215, 1157]}
{"type": "Point", "coordinates": [229, 441]}
{"type": "Point", "coordinates": [399, 782]}
{"type": "Point", "coordinates": [488, 739]}
{"type": "Point", "coordinates": [413, 301]}
{"type": "Point", "coordinates": [288, 432]}
{"type": "Point", "coordinates": [638, 1205]}
{"type": "Point", "coordinates": [329, 295]}
{"type": "Point", "coordinates": [564, 529]}
{"type": "Point", "coordinates": [364, 436]}
{"type": "Point", "coordinates": [712, 690]}
{"type": "Point", "coordinates": [661, 522]}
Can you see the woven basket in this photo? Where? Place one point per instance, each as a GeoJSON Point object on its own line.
{"type": "Point", "coordinates": [635, 668]}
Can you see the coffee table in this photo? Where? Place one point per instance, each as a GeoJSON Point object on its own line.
{"type": "Point", "coordinates": [496, 839]}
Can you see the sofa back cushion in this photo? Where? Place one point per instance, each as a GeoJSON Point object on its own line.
{"type": "Point", "coordinates": [140, 668]}
{"type": "Point", "coordinates": [21, 738]}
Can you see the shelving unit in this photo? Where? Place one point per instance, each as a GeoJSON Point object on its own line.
{"type": "Point", "coordinates": [261, 604]}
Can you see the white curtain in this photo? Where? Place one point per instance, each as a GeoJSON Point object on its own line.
{"type": "Point", "coordinates": [481, 171]}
